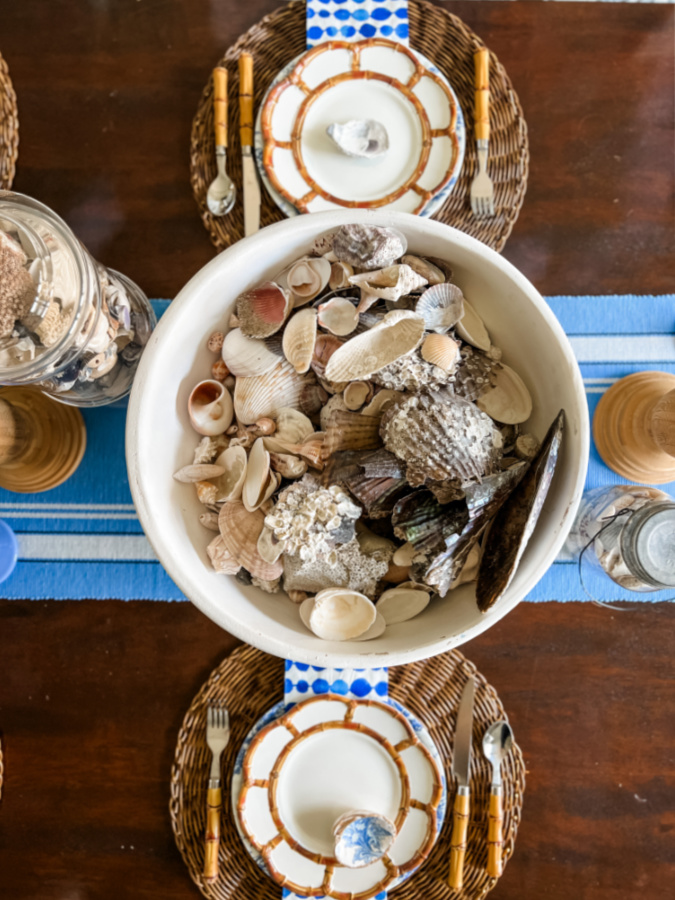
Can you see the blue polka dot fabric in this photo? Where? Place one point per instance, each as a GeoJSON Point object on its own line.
{"type": "Point", "coordinates": [356, 20]}
{"type": "Point", "coordinates": [302, 681]}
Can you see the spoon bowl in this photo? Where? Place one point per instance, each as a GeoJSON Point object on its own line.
{"type": "Point", "coordinates": [222, 193]}
{"type": "Point", "coordinates": [497, 744]}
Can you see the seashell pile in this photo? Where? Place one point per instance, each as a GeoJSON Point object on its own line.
{"type": "Point", "coordinates": [360, 436]}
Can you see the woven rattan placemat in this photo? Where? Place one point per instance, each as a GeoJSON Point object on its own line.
{"type": "Point", "coordinates": [249, 682]}
{"type": "Point", "coordinates": [442, 38]}
{"type": "Point", "coordinates": [9, 128]}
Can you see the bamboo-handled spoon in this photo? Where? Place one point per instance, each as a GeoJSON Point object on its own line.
{"type": "Point", "coordinates": [222, 193]}
{"type": "Point", "coordinates": [497, 744]}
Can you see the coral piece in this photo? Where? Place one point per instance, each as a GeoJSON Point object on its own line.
{"type": "Point", "coordinates": [411, 373]}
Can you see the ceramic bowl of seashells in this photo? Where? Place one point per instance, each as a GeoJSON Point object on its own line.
{"type": "Point", "coordinates": [357, 438]}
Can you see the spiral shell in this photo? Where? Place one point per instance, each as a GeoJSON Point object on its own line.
{"type": "Point", "coordinates": [389, 283]}
{"type": "Point", "coordinates": [262, 310]}
{"type": "Point", "coordinates": [442, 306]}
{"type": "Point", "coordinates": [300, 338]}
{"type": "Point", "coordinates": [399, 332]}
{"type": "Point", "coordinates": [210, 408]}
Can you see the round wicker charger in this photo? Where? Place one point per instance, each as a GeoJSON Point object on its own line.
{"type": "Point", "coordinates": [9, 128]}
{"type": "Point", "coordinates": [249, 682]}
{"type": "Point", "coordinates": [440, 36]}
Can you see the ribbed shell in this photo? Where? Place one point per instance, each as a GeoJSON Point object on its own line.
{"type": "Point", "coordinates": [262, 310]}
{"type": "Point", "coordinates": [351, 431]}
{"type": "Point", "coordinates": [240, 531]}
{"type": "Point", "coordinates": [441, 305]}
{"type": "Point", "coordinates": [441, 436]}
{"type": "Point", "coordinates": [299, 339]}
{"type": "Point", "coordinates": [399, 332]}
{"type": "Point", "coordinates": [264, 395]}
{"type": "Point", "coordinates": [440, 350]}
{"type": "Point", "coordinates": [247, 356]}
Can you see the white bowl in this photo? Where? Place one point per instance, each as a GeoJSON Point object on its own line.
{"type": "Point", "coordinates": [160, 440]}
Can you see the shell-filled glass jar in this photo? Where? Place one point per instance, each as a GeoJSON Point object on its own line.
{"type": "Point", "coordinates": [69, 325]}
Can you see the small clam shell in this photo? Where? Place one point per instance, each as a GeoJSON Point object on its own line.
{"type": "Point", "coordinates": [203, 472]}
{"type": "Point", "coordinates": [246, 356]}
{"type": "Point", "coordinates": [288, 465]}
{"type": "Point", "coordinates": [269, 548]}
{"type": "Point", "coordinates": [368, 246]}
{"type": "Point", "coordinates": [386, 284]}
{"type": "Point", "coordinates": [326, 345]}
{"type": "Point", "coordinates": [376, 630]}
{"type": "Point", "coordinates": [300, 338]}
{"type": "Point", "coordinates": [231, 483]}
{"type": "Point", "coordinates": [240, 530]}
{"type": "Point", "coordinates": [262, 310]}
{"type": "Point", "coordinates": [380, 402]}
{"type": "Point", "coordinates": [339, 614]}
{"type": "Point", "coordinates": [472, 329]}
{"type": "Point", "coordinates": [340, 273]}
{"type": "Point", "coordinates": [257, 473]}
{"type": "Point", "coordinates": [356, 393]}
{"type": "Point", "coordinates": [442, 306]}
{"type": "Point", "coordinates": [399, 332]}
{"type": "Point", "coordinates": [431, 273]}
{"type": "Point", "coordinates": [263, 395]}
{"type": "Point", "coordinates": [305, 610]}
{"type": "Point", "coordinates": [292, 428]}
{"type": "Point", "coordinates": [509, 401]}
{"type": "Point", "coordinates": [210, 408]}
{"type": "Point", "coordinates": [307, 277]}
{"type": "Point", "coordinates": [402, 603]}
{"type": "Point", "coordinates": [440, 350]}
{"type": "Point", "coordinates": [339, 316]}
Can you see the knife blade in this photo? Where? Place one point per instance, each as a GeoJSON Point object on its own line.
{"type": "Point", "coordinates": [249, 176]}
{"type": "Point", "coordinates": [461, 766]}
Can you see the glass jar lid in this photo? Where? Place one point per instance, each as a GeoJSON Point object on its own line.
{"type": "Point", "coordinates": [648, 544]}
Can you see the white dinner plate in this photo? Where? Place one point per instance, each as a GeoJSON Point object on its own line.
{"type": "Point", "coordinates": [299, 771]}
{"type": "Point", "coordinates": [303, 169]}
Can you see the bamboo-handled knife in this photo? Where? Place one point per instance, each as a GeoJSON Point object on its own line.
{"type": "Point", "coordinates": [461, 766]}
{"type": "Point", "coordinates": [250, 178]}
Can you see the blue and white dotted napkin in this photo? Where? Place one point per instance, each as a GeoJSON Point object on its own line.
{"type": "Point", "coordinates": [356, 20]}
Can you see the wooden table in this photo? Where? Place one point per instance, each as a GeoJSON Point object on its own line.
{"type": "Point", "coordinates": [92, 693]}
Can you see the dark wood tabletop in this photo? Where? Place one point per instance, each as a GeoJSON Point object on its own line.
{"type": "Point", "coordinates": [92, 693]}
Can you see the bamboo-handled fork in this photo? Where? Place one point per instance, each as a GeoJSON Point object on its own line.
{"type": "Point", "coordinates": [217, 736]}
{"type": "Point", "coordinates": [482, 189]}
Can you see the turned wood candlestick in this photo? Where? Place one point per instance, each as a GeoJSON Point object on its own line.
{"type": "Point", "coordinates": [634, 427]}
{"type": "Point", "coordinates": [42, 442]}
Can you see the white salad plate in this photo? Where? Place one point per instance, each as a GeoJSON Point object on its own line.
{"type": "Point", "coordinates": [335, 82]}
{"type": "Point", "coordinates": [299, 771]}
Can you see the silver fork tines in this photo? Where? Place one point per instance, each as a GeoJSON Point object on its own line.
{"type": "Point", "coordinates": [482, 189]}
{"type": "Point", "coordinates": [217, 736]}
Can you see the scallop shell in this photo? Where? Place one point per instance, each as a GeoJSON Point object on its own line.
{"type": "Point", "coordinates": [245, 356]}
{"type": "Point", "coordinates": [264, 395]}
{"type": "Point", "coordinates": [307, 277]}
{"type": "Point", "coordinates": [257, 474]}
{"type": "Point", "coordinates": [361, 138]}
{"type": "Point", "coordinates": [300, 338]}
{"type": "Point", "coordinates": [339, 316]}
{"type": "Point", "coordinates": [430, 272]}
{"type": "Point", "coordinates": [202, 472]}
{"type": "Point", "coordinates": [240, 530]}
{"type": "Point", "coordinates": [442, 306]}
{"type": "Point", "coordinates": [230, 484]}
{"type": "Point", "coordinates": [368, 246]}
{"type": "Point", "coordinates": [440, 436]}
{"type": "Point", "coordinates": [339, 614]}
{"type": "Point", "coordinates": [269, 548]}
{"type": "Point", "coordinates": [326, 345]}
{"type": "Point", "coordinates": [472, 329]}
{"type": "Point", "coordinates": [402, 603]}
{"type": "Point", "coordinates": [389, 283]}
{"type": "Point", "coordinates": [340, 273]}
{"type": "Point", "coordinates": [509, 401]}
{"type": "Point", "coordinates": [210, 408]}
{"type": "Point", "coordinates": [351, 431]}
{"type": "Point", "coordinates": [440, 350]}
{"type": "Point", "coordinates": [356, 394]}
{"type": "Point", "coordinates": [293, 427]}
{"type": "Point", "coordinates": [362, 356]}
{"type": "Point", "coordinates": [263, 309]}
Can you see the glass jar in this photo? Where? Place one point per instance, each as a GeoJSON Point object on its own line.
{"type": "Point", "coordinates": [69, 325]}
{"type": "Point", "coordinates": [632, 530]}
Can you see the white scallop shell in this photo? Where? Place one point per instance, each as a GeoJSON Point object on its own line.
{"type": "Point", "coordinates": [339, 316]}
{"type": "Point", "coordinates": [257, 474]}
{"type": "Point", "coordinates": [307, 277]}
{"type": "Point", "coordinates": [440, 350]}
{"type": "Point", "coordinates": [240, 530]}
{"type": "Point", "coordinates": [402, 603]}
{"type": "Point", "coordinates": [210, 408]}
{"type": "Point", "coordinates": [509, 401]}
{"type": "Point", "coordinates": [442, 306]}
{"type": "Point", "coordinates": [264, 395]}
{"type": "Point", "coordinates": [399, 332]}
{"type": "Point", "coordinates": [339, 614]}
{"type": "Point", "coordinates": [299, 339]}
{"type": "Point", "coordinates": [471, 328]}
{"type": "Point", "coordinates": [247, 356]}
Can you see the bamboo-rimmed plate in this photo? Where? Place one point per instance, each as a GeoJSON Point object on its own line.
{"type": "Point", "coordinates": [299, 771]}
{"type": "Point", "coordinates": [373, 79]}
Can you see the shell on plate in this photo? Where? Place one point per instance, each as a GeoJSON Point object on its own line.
{"type": "Point", "coordinates": [338, 315]}
{"type": "Point", "coordinates": [201, 472]}
{"type": "Point", "coordinates": [471, 328]}
{"type": "Point", "coordinates": [440, 436]}
{"type": "Point", "coordinates": [263, 395]}
{"type": "Point", "coordinates": [326, 345]}
{"type": "Point", "coordinates": [509, 400]}
{"type": "Point", "coordinates": [356, 394]}
{"type": "Point", "coordinates": [442, 306]}
{"type": "Point", "coordinates": [307, 277]}
{"type": "Point", "coordinates": [300, 338]}
{"type": "Point", "coordinates": [362, 837]}
{"type": "Point", "coordinates": [399, 332]}
{"type": "Point", "coordinates": [360, 138]}
{"type": "Point", "coordinates": [368, 246]}
{"type": "Point", "coordinates": [440, 350]}
{"type": "Point", "coordinates": [389, 283]}
{"type": "Point", "coordinates": [240, 530]}
{"type": "Point", "coordinates": [246, 356]}
{"type": "Point", "coordinates": [340, 614]}
{"type": "Point", "coordinates": [402, 603]}
{"type": "Point", "coordinates": [431, 273]}
{"type": "Point", "coordinates": [262, 310]}
{"type": "Point", "coordinates": [340, 273]}
{"type": "Point", "coordinates": [210, 408]}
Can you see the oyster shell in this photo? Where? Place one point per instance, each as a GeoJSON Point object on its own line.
{"type": "Point", "coordinates": [245, 356]}
{"type": "Point", "coordinates": [300, 338]}
{"type": "Point", "coordinates": [476, 373]}
{"type": "Point", "coordinates": [441, 436]}
{"type": "Point", "coordinates": [514, 523]}
{"type": "Point", "coordinates": [440, 350]}
{"type": "Point", "coordinates": [264, 395]}
{"type": "Point", "coordinates": [431, 273]}
{"type": "Point", "coordinates": [368, 246]}
{"type": "Point", "coordinates": [509, 400]}
{"type": "Point", "coordinates": [339, 316]}
{"type": "Point", "coordinates": [356, 394]}
{"type": "Point", "coordinates": [411, 373]}
{"type": "Point", "coordinates": [389, 283]}
{"type": "Point", "coordinates": [240, 530]}
{"type": "Point", "coordinates": [351, 569]}
{"type": "Point", "coordinates": [262, 310]}
{"type": "Point", "coordinates": [362, 837]}
{"type": "Point", "coordinates": [306, 278]}
{"type": "Point", "coordinates": [442, 306]}
{"type": "Point", "coordinates": [339, 614]}
{"type": "Point", "coordinates": [367, 353]}
{"type": "Point", "coordinates": [210, 408]}
{"type": "Point", "coordinates": [402, 603]}
{"type": "Point", "coordinates": [471, 328]}
{"type": "Point", "coordinates": [351, 431]}
{"type": "Point", "coordinates": [361, 138]}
